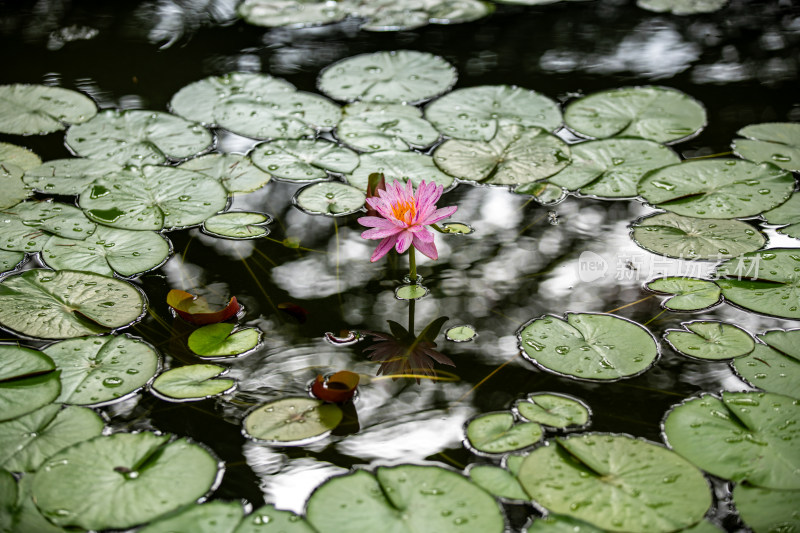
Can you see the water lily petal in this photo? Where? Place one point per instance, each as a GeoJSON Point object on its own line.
{"type": "Point", "coordinates": [426, 248]}
{"type": "Point", "coordinates": [383, 248]}
{"type": "Point", "coordinates": [440, 214]}
{"type": "Point", "coordinates": [404, 240]}
{"type": "Point", "coordinates": [380, 233]}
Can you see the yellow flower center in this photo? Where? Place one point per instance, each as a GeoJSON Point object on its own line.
{"type": "Point", "coordinates": [405, 211]}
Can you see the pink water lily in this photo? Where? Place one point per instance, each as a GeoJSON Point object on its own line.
{"type": "Point", "coordinates": [404, 217]}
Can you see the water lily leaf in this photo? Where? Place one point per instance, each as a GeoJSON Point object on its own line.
{"type": "Point", "coordinates": [460, 333]}
{"type": "Point", "coordinates": [401, 76]}
{"type": "Point", "coordinates": [28, 440]}
{"type": "Point", "coordinates": [32, 109]}
{"type": "Point", "coordinates": [98, 370]}
{"type": "Point", "coordinates": [493, 433]}
{"type": "Point", "coordinates": [68, 176]}
{"type": "Point", "coordinates": [57, 305]}
{"type": "Point", "coordinates": [498, 482]}
{"type": "Point", "coordinates": [611, 168]}
{"type": "Point", "coordinates": [710, 340]}
{"type": "Point", "coordinates": [338, 388]}
{"type": "Point", "coordinates": [218, 340]}
{"type": "Point", "coordinates": [109, 250]}
{"type": "Point", "coordinates": [371, 127]}
{"type": "Point", "coordinates": [91, 484]}
{"type": "Point", "coordinates": [786, 213]}
{"type": "Point", "coordinates": [544, 192]}
{"type": "Point", "coordinates": [196, 310]}
{"type": "Point", "coordinates": [514, 156]}
{"type": "Point", "coordinates": [209, 517]}
{"type": "Point", "coordinates": [553, 523]}
{"type": "Point", "coordinates": [412, 291]}
{"type": "Point", "coordinates": [764, 282]}
{"type": "Point", "coordinates": [774, 142]}
{"type": "Point", "coordinates": [269, 517]}
{"type": "Point", "coordinates": [26, 226]}
{"type": "Point", "coordinates": [192, 382]}
{"type": "Point", "coordinates": [457, 11]}
{"type": "Point", "coordinates": [744, 436]}
{"type": "Point", "coordinates": [26, 516]}
{"type": "Point", "coordinates": [294, 13]}
{"type": "Point", "coordinates": [656, 113]}
{"type": "Point", "coordinates": [305, 160]}
{"type": "Point", "coordinates": [153, 198]}
{"type": "Point", "coordinates": [553, 410]}
{"type": "Point", "coordinates": [597, 347]}
{"type": "Point", "coordinates": [20, 156]}
{"type": "Point", "coordinates": [653, 489]}
{"type": "Point", "coordinates": [682, 7]}
{"type": "Point", "coordinates": [401, 499]}
{"type": "Point", "coordinates": [457, 228]}
{"type": "Point", "coordinates": [690, 294]}
{"type": "Point", "coordinates": [136, 137]}
{"type": "Point", "coordinates": [329, 198]}
{"type": "Point", "coordinates": [786, 342]}
{"type": "Point", "coordinates": [196, 101]}
{"type": "Point", "coordinates": [717, 188]}
{"type": "Point", "coordinates": [28, 381]}
{"type": "Point", "coordinates": [401, 166]}
{"type": "Point", "coordinates": [238, 225]}
{"type": "Point", "coordinates": [384, 15]}
{"type": "Point", "coordinates": [8, 499]}
{"type": "Point", "coordinates": [237, 173]}
{"type": "Point", "coordinates": [14, 188]}
{"type": "Point", "coordinates": [691, 238]}
{"type": "Point", "coordinates": [773, 368]}
{"type": "Point", "coordinates": [476, 113]}
{"type": "Point", "coordinates": [292, 421]}
{"type": "Point", "coordinates": [765, 510]}
{"type": "Point", "coordinates": [10, 260]}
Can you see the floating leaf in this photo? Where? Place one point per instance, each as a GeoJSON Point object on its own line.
{"type": "Point", "coordinates": [305, 160]}
{"type": "Point", "coordinates": [68, 176]}
{"type": "Point", "coordinates": [401, 166]}
{"type": "Point", "coordinates": [28, 381]}
{"type": "Point", "coordinates": [28, 440]}
{"type": "Point", "coordinates": [553, 410]}
{"type": "Point", "coordinates": [498, 482]}
{"type": "Point", "coordinates": [690, 294]}
{"type": "Point", "coordinates": [218, 340]}
{"type": "Point", "coordinates": [338, 388]}
{"type": "Point", "coordinates": [31, 109]}
{"type": "Point", "coordinates": [589, 346]}
{"type": "Point", "coordinates": [616, 483]}
{"type": "Point", "coordinates": [90, 485]}
{"type": "Point", "coordinates": [544, 192]}
{"type": "Point", "coordinates": [457, 228]}
{"type": "Point", "coordinates": [26, 516]}
{"type": "Point", "coordinates": [460, 333]}
{"type": "Point", "coordinates": [237, 173]}
{"type": "Point", "coordinates": [10, 260]}
{"type": "Point", "coordinates": [553, 523]}
{"type": "Point", "coordinates": [26, 226]}
{"type": "Point", "coordinates": [493, 433]}
{"type": "Point", "coordinates": [57, 305]}
{"type": "Point", "coordinates": [238, 225]}
{"type": "Point", "coordinates": [774, 142]}
{"type": "Point", "coordinates": [8, 499]}
{"type": "Point", "coordinates": [196, 310]}
{"type": "Point", "coordinates": [14, 188]}
{"type": "Point", "coordinates": [329, 198]}
{"type": "Point", "coordinates": [710, 340]}
{"type": "Point", "coordinates": [292, 421]}
{"type": "Point", "coordinates": [275, 519]}
{"type": "Point", "coordinates": [97, 370]}
{"type": "Point", "coordinates": [717, 188]}
{"type": "Point", "coordinates": [412, 291]}
{"type": "Point", "coordinates": [209, 517]}
{"type": "Point", "coordinates": [745, 436]}
{"type": "Point", "coordinates": [20, 156]}
{"type": "Point", "coordinates": [136, 137]}
{"type": "Point", "coordinates": [765, 510]}
{"type": "Point", "coordinates": [786, 213]}
{"type": "Point", "coordinates": [776, 367]}
{"type": "Point", "coordinates": [371, 127]}
{"type": "Point", "coordinates": [682, 7]}
{"type": "Point", "coordinates": [293, 13]}
{"type": "Point", "coordinates": [476, 113]}
{"type": "Point", "coordinates": [690, 238]}
{"type": "Point", "coordinates": [192, 382]}
{"type": "Point", "coordinates": [659, 114]}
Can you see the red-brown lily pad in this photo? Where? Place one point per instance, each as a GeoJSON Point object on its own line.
{"type": "Point", "coordinates": [196, 310]}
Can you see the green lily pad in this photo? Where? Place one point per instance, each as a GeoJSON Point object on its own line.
{"type": "Point", "coordinates": [611, 168]}
{"type": "Point", "coordinates": [209, 517]}
{"type": "Point", "coordinates": [457, 228]}
{"type": "Point", "coordinates": [153, 198]}
{"type": "Point", "coordinates": [10, 260]}
{"type": "Point", "coordinates": [28, 381]}
{"type": "Point", "coordinates": [292, 421]}
{"type": "Point", "coordinates": [476, 113]}
{"type": "Point", "coordinates": [717, 188]}
{"type": "Point", "coordinates": [412, 291]}
{"type": "Point", "coordinates": [68, 176]}
{"type": "Point", "coordinates": [401, 499]}
{"type": "Point", "coordinates": [710, 340]}
{"type": "Point", "coordinates": [192, 382]}
{"type": "Point", "coordinates": [389, 15]}
{"type": "Point", "coordinates": [745, 436]}
{"type": "Point", "coordinates": [304, 160]}
{"type": "Point", "coordinates": [493, 433]}
{"type": "Point", "coordinates": [26, 516]}
{"type": "Point", "coordinates": [14, 188]}
{"type": "Point", "coordinates": [267, 517]}
{"type": "Point", "coordinates": [498, 482]}
{"type": "Point", "coordinates": [20, 156]}
{"type": "Point", "coordinates": [238, 225]}
{"type": "Point", "coordinates": [26, 226]}
{"type": "Point", "coordinates": [655, 113]}
{"type": "Point", "coordinates": [690, 294]}
{"type": "Point", "coordinates": [553, 410]}
{"type": "Point", "coordinates": [99, 370]}
{"type": "Point", "coordinates": [8, 499]}
{"type": "Point", "coordinates": [691, 238]}
{"type": "Point", "coordinates": [596, 347]}
{"type": "Point", "coordinates": [28, 440]}
{"type": "Point", "coordinates": [553, 523]}
{"type": "Point", "coordinates": [682, 7]}
{"type": "Point", "coordinates": [774, 142]}
{"type": "Point", "coordinates": [786, 213]}
{"type": "Point", "coordinates": [218, 340]}
{"type": "Point", "coordinates": [237, 173]}
{"type": "Point", "coordinates": [109, 250]}
{"type": "Point", "coordinates": [32, 109]}
{"type": "Point", "coordinates": [514, 156]}
{"type": "Point", "coordinates": [616, 483]}
{"type": "Point", "coordinates": [775, 367]}
{"type": "Point", "coordinates": [765, 282]}
{"type": "Point", "coordinates": [371, 127]}
{"type": "Point", "coordinates": [460, 333]}
{"type": "Point", "coordinates": [401, 166]}
{"type": "Point", "coordinates": [136, 137]}
{"type": "Point", "coordinates": [330, 198]}
{"type": "Point", "coordinates": [293, 13]}
{"type": "Point", "coordinates": [90, 485]}
{"type": "Point", "coordinates": [544, 192]}
{"type": "Point", "coordinates": [58, 305]}
{"type": "Point", "coordinates": [766, 510]}
{"type": "Point", "coordinates": [401, 76]}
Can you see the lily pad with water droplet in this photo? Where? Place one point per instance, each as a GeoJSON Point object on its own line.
{"type": "Point", "coordinates": [457, 228]}
{"type": "Point", "coordinates": [655, 113]}
{"type": "Point", "coordinates": [596, 347]}
{"type": "Point", "coordinates": [20, 156]}
{"type": "Point", "coordinates": [495, 433]}
{"type": "Point", "coordinates": [292, 13]}
{"type": "Point", "coordinates": [403, 498]}
{"type": "Point", "coordinates": [267, 517]}
{"type": "Point", "coordinates": [476, 113]}
{"type": "Point", "coordinates": [554, 410]}
{"type": "Point", "coordinates": [57, 305]}
{"type": "Point", "coordinates": [460, 333]}
{"type": "Point", "coordinates": [401, 166]}
{"type": "Point", "coordinates": [330, 198]}
{"type": "Point", "coordinates": [27, 226]}
{"type": "Point", "coordinates": [28, 381]}
{"type": "Point", "coordinates": [411, 291]}
{"type": "Point", "coordinates": [238, 225]}
{"type": "Point", "coordinates": [14, 188]}
{"type": "Point", "coordinates": [136, 137]}
{"type": "Point", "coordinates": [90, 485]}
{"type": "Point", "coordinates": [236, 172]}
{"type": "Point", "coordinates": [33, 109]}
{"type": "Point", "coordinates": [766, 510]}
{"type": "Point", "coordinates": [10, 260]}
{"type": "Point", "coordinates": [27, 441]}
{"type": "Point", "coordinates": [774, 142]}
{"type": "Point", "coordinates": [710, 340]}
{"type": "Point", "coordinates": [371, 127]}
{"type": "Point", "coordinates": [400, 76]}
{"type": "Point", "coordinates": [786, 213]}
{"type": "Point", "coordinates": [717, 188]}
{"type": "Point", "coordinates": [682, 7]}
{"type": "Point", "coordinates": [692, 238]}
{"type": "Point", "coordinates": [554, 523]}
{"type": "Point", "coordinates": [774, 367]}
{"type": "Point", "coordinates": [292, 421]}
{"type": "Point", "coordinates": [192, 382]}
{"type": "Point", "coordinates": [744, 436]}
{"type": "Point", "coordinates": [210, 517]}
{"type": "Point", "coordinates": [690, 294]}
{"type": "Point", "coordinates": [616, 482]}
{"type": "Point", "coordinates": [543, 192]}
{"type": "Point", "coordinates": [68, 176]}
{"type": "Point", "coordinates": [219, 340]}
{"type": "Point", "coordinates": [304, 160]}
{"type": "Point", "coordinates": [389, 15]}
{"type": "Point", "coordinates": [498, 482]}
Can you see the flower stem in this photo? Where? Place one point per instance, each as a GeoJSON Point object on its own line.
{"type": "Point", "coordinates": [412, 263]}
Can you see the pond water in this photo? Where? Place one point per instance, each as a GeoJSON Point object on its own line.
{"type": "Point", "coordinates": [311, 276]}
